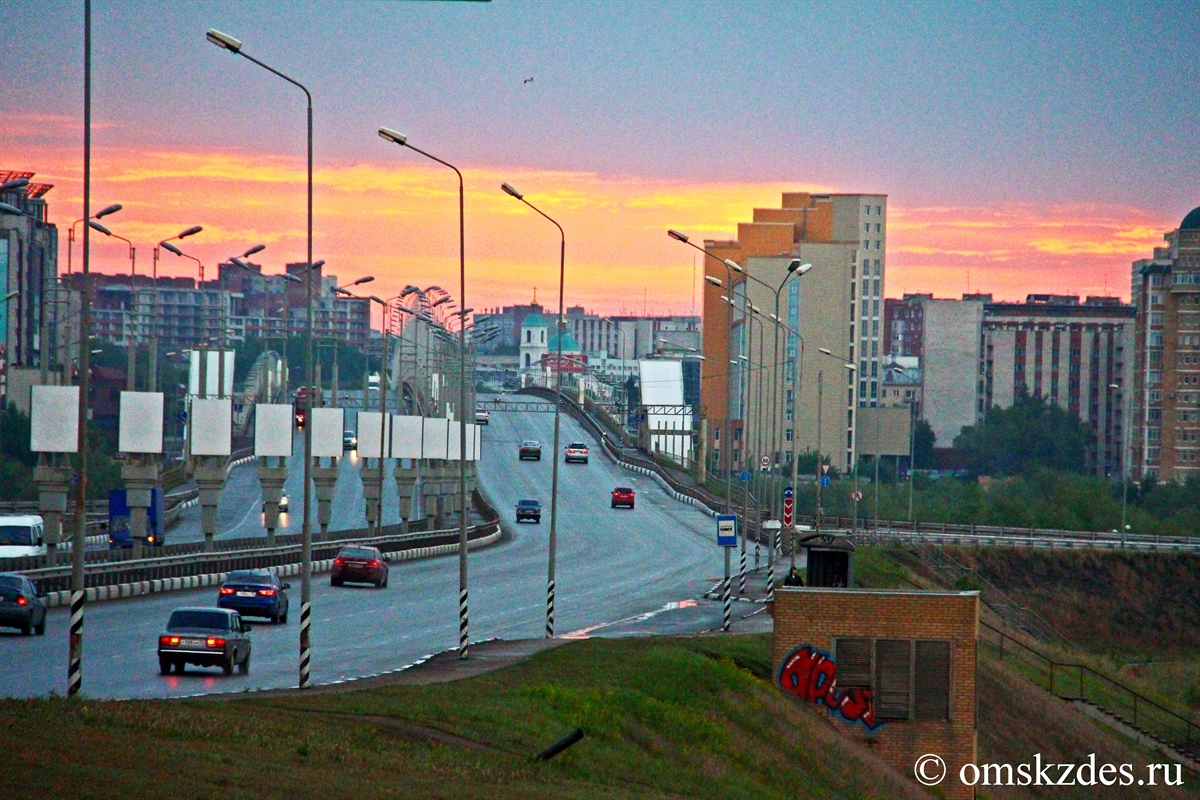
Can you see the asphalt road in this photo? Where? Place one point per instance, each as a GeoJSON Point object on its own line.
{"type": "Point", "coordinates": [620, 572]}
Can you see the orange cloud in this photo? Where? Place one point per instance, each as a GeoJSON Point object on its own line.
{"type": "Point", "coordinates": [396, 217]}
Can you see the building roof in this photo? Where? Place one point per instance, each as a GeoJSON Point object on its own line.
{"type": "Point", "coordinates": [1192, 221]}
{"type": "Point", "coordinates": [534, 321]}
{"type": "Point", "coordinates": [569, 345]}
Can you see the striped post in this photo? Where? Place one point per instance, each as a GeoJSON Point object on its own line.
{"type": "Point", "coordinates": [550, 609]}
{"type": "Point", "coordinates": [742, 573]}
{"type": "Point", "coordinates": [727, 611]}
{"type": "Point", "coordinates": [305, 649]}
{"type": "Point", "coordinates": [75, 664]}
{"type": "Point", "coordinates": [757, 555]}
{"type": "Point", "coordinates": [462, 623]}
{"type": "Point", "coordinates": [771, 567]}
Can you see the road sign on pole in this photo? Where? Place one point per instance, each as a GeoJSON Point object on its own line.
{"type": "Point", "coordinates": [744, 476]}
{"type": "Point", "coordinates": [857, 495]}
{"type": "Point", "coordinates": [788, 492]}
{"type": "Point", "coordinates": [726, 530]}
{"type": "Point", "coordinates": [825, 470]}
{"type": "Point", "coordinates": [765, 461]}
{"type": "Point", "coordinates": [824, 482]}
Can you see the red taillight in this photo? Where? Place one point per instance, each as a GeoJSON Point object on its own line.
{"type": "Point", "coordinates": [373, 563]}
{"type": "Point", "coordinates": [267, 592]}
{"type": "Point", "coordinates": [338, 561]}
{"type": "Point", "coordinates": [226, 590]}
{"type": "Point", "coordinates": [21, 600]}
{"type": "Point", "coordinates": [213, 642]}
{"type": "Point", "coordinates": [169, 640]}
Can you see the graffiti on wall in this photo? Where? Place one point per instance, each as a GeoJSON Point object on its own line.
{"type": "Point", "coordinates": [811, 675]}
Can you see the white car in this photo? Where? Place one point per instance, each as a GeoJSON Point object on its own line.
{"type": "Point", "coordinates": [577, 451]}
{"type": "Point", "coordinates": [482, 417]}
{"type": "Point", "coordinates": [283, 501]}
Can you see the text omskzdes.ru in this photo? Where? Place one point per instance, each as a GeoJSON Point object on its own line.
{"type": "Point", "coordinates": [1089, 773]}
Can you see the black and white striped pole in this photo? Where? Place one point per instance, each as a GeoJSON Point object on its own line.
{"type": "Point", "coordinates": [773, 527]}
{"type": "Point", "coordinates": [727, 539]}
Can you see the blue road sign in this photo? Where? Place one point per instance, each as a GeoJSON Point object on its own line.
{"type": "Point", "coordinates": [824, 480]}
{"type": "Point", "coordinates": [744, 476]}
{"type": "Point", "coordinates": [182, 416]}
{"type": "Point", "coordinates": [788, 492]}
{"type": "Point", "coordinates": [726, 530]}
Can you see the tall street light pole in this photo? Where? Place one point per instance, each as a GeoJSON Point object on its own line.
{"type": "Point", "coordinates": [463, 627]}
{"type": "Point", "coordinates": [1116, 387]}
{"type": "Point", "coordinates": [562, 262]}
{"type": "Point", "coordinates": [131, 339]}
{"type": "Point", "coordinates": [234, 46]}
{"type": "Point", "coordinates": [852, 369]}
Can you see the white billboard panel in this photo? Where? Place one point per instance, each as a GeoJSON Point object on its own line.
{"type": "Point", "coordinates": [406, 436]}
{"type": "Point", "coordinates": [327, 432]}
{"type": "Point", "coordinates": [140, 428]}
{"type": "Point", "coordinates": [54, 419]}
{"type": "Point", "coordinates": [211, 424]}
{"type": "Point", "coordinates": [369, 423]}
{"type": "Point", "coordinates": [454, 442]}
{"type": "Point", "coordinates": [212, 376]}
{"type": "Point", "coordinates": [436, 436]}
{"type": "Point", "coordinates": [273, 429]}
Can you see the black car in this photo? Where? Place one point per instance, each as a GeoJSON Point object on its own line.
{"type": "Point", "coordinates": [22, 605]}
{"type": "Point", "coordinates": [529, 509]}
{"type": "Point", "coordinates": [206, 637]}
{"type": "Point", "coordinates": [255, 593]}
{"type": "Point", "coordinates": [530, 449]}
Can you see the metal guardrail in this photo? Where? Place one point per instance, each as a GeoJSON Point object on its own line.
{"type": "Point", "coordinates": [1079, 682]}
{"type": "Point", "coordinates": [1003, 536]}
{"type": "Point", "coordinates": [252, 555]}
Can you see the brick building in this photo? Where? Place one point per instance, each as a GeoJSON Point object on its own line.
{"type": "Point", "coordinates": [896, 667]}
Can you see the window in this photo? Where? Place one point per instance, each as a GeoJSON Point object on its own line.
{"type": "Point", "coordinates": [879, 211]}
{"type": "Point", "coordinates": [909, 679]}
{"type": "Point", "coordinates": [878, 228]}
{"type": "Point", "coordinates": [866, 227]}
{"type": "Point", "coordinates": [931, 692]}
{"type": "Point", "coordinates": [893, 678]}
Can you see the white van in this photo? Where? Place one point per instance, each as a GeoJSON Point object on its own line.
{"type": "Point", "coordinates": [21, 536]}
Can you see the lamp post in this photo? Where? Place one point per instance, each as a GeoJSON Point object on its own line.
{"type": "Point", "coordinates": [383, 377]}
{"type": "Point", "coordinates": [1116, 387]}
{"type": "Point", "coordinates": [234, 46]}
{"type": "Point", "coordinates": [463, 626]}
{"type": "Point", "coordinates": [153, 379]}
{"type": "Point", "coordinates": [730, 267]}
{"type": "Point", "coordinates": [510, 190]}
{"type": "Point", "coordinates": [820, 391]}
{"type": "Point", "coordinates": [104, 212]}
{"type": "Point", "coordinates": [131, 339]}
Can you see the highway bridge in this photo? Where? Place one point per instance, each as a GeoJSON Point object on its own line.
{"type": "Point", "coordinates": [616, 569]}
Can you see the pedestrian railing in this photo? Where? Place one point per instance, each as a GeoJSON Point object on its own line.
{"type": "Point", "coordinates": [1079, 682]}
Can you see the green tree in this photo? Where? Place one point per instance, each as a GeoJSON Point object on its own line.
{"type": "Point", "coordinates": [923, 440]}
{"type": "Point", "coordinates": [1030, 434]}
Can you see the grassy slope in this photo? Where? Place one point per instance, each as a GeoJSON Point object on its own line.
{"type": "Point", "coordinates": [664, 718]}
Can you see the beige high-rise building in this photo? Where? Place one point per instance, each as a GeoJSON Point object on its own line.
{"type": "Point", "coordinates": [836, 306]}
{"type": "Point", "coordinates": [1166, 375]}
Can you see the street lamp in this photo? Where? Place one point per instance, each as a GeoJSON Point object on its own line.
{"type": "Point", "coordinates": [153, 380]}
{"type": "Point", "coordinates": [227, 42]}
{"type": "Point", "coordinates": [1116, 387]}
{"type": "Point", "coordinates": [104, 212]}
{"type": "Point", "coordinates": [727, 450]}
{"type": "Point", "coordinates": [131, 342]}
{"type": "Point", "coordinates": [512, 191]}
{"type": "Point", "coordinates": [820, 391]}
{"type": "Point", "coordinates": [463, 628]}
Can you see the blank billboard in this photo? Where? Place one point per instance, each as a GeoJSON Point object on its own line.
{"type": "Point", "coordinates": [327, 430]}
{"type": "Point", "coordinates": [54, 419]}
{"type": "Point", "coordinates": [273, 429]}
{"type": "Point", "coordinates": [406, 436]}
{"type": "Point", "coordinates": [369, 423]}
{"type": "Point", "coordinates": [140, 429]}
{"type": "Point", "coordinates": [211, 423]}
{"type": "Point", "coordinates": [437, 434]}
{"type": "Point", "coordinates": [212, 375]}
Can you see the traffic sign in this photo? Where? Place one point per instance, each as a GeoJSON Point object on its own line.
{"type": "Point", "coordinates": [824, 469]}
{"type": "Point", "coordinates": [744, 476]}
{"type": "Point", "coordinates": [726, 530]}
{"type": "Point", "coordinates": [765, 461]}
{"type": "Point", "coordinates": [857, 495]}
{"type": "Point", "coordinates": [824, 480]}
{"type": "Point", "coordinates": [788, 492]}
{"type": "Point", "coordinates": [788, 506]}
{"type": "Point", "coordinates": [182, 416]}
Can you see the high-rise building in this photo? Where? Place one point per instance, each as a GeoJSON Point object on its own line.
{"type": "Point", "coordinates": [1166, 378]}
{"type": "Point", "coordinates": [836, 306]}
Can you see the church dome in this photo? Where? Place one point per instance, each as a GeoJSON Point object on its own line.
{"type": "Point", "coordinates": [1192, 221]}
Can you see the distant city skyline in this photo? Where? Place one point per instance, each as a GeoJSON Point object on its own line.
{"type": "Point", "coordinates": [1026, 148]}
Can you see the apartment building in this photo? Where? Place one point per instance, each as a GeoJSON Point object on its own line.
{"type": "Point", "coordinates": [837, 306]}
{"type": "Point", "coordinates": [1166, 375]}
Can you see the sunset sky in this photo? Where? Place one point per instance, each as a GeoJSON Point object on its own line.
{"type": "Point", "coordinates": [1024, 147]}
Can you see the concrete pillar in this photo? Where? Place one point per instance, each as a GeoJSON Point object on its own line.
{"type": "Point", "coordinates": [53, 485]}
{"type": "Point", "coordinates": [271, 479]}
{"type": "Point", "coordinates": [702, 452]}
{"type": "Point", "coordinates": [405, 478]}
{"type": "Point", "coordinates": [371, 488]}
{"type": "Point", "coordinates": [140, 480]}
{"type": "Point", "coordinates": [210, 480]}
{"type": "Point", "coordinates": [430, 490]}
{"type": "Point", "coordinates": [324, 481]}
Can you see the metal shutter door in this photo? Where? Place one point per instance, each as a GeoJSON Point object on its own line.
{"type": "Point", "coordinates": [932, 681]}
{"type": "Point", "coordinates": [893, 678]}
